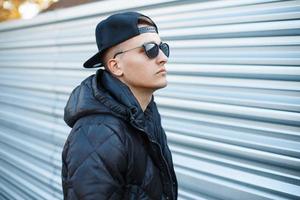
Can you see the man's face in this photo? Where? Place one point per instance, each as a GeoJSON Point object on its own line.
{"type": "Point", "coordinates": [139, 71]}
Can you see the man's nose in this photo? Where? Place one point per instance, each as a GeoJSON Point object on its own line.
{"type": "Point", "coordinates": [161, 57]}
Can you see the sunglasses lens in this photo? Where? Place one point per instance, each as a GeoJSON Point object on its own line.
{"type": "Point", "coordinates": [165, 48]}
{"type": "Point", "coordinates": [151, 50]}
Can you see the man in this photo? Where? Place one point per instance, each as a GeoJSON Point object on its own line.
{"type": "Point", "coordinates": [117, 148]}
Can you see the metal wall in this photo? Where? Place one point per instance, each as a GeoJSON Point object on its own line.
{"type": "Point", "coordinates": [231, 109]}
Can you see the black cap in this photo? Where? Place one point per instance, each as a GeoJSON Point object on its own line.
{"type": "Point", "coordinates": [116, 29]}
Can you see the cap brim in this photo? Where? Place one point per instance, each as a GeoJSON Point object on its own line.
{"type": "Point", "coordinates": [94, 61]}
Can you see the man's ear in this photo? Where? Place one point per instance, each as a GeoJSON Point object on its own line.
{"type": "Point", "coordinates": [114, 67]}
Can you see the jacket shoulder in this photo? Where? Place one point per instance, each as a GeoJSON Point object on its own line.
{"type": "Point", "coordinates": [100, 137]}
{"type": "Point", "coordinates": [93, 154]}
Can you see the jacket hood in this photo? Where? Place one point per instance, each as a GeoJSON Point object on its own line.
{"type": "Point", "coordinates": [101, 93]}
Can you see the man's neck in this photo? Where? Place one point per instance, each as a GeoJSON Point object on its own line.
{"type": "Point", "coordinates": [143, 97]}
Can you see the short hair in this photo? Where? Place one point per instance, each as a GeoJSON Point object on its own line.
{"type": "Point", "coordinates": [141, 22]}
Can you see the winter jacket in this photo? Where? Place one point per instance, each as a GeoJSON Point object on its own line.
{"type": "Point", "coordinates": [114, 150]}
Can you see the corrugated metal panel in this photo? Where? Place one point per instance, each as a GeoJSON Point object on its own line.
{"type": "Point", "coordinates": [231, 110]}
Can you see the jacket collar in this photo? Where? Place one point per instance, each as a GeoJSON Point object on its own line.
{"type": "Point", "coordinates": [117, 96]}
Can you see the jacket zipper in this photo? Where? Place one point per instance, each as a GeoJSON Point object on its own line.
{"type": "Point", "coordinates": [169, 174]}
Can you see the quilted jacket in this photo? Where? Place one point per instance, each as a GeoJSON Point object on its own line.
{"type": "Point", "coordinates": [114, 150]}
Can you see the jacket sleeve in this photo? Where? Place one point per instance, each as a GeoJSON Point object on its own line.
{"type": "Point", "coordinates": [94, 164]}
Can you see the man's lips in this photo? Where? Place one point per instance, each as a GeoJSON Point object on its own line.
{"type": "Point", "coordinates": [161, 71]}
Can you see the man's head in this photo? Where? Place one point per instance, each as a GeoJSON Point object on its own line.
{"type": "Point", "coordinates": [131, 50]}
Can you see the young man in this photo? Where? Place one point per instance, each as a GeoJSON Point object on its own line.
{"type": "Point", "coordinates": [117, 148]}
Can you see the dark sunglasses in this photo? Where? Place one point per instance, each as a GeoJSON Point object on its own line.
{"type": "Point", "coordinates": [151, 49]}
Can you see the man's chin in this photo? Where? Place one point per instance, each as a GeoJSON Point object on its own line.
{"type": "Point", "coordinates": [162, 86]}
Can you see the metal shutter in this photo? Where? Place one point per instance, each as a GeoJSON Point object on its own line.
{"type": "Point", "coordinates": [231, 109]}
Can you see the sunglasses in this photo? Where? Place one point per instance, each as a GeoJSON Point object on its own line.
{"type": "Point", "coordinates": [151, 49]}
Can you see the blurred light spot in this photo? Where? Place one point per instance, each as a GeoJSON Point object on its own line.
{"type": "Point", "coordinates": [28, 10]}
{"type": "Point", "coordinates": [7, 5]}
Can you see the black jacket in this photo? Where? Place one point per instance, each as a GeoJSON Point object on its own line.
{"type": "Point", "coordinates": [115, 150]}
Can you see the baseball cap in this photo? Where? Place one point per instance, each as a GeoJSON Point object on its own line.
{"type": "Point", "coordinates": [115, 29]}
